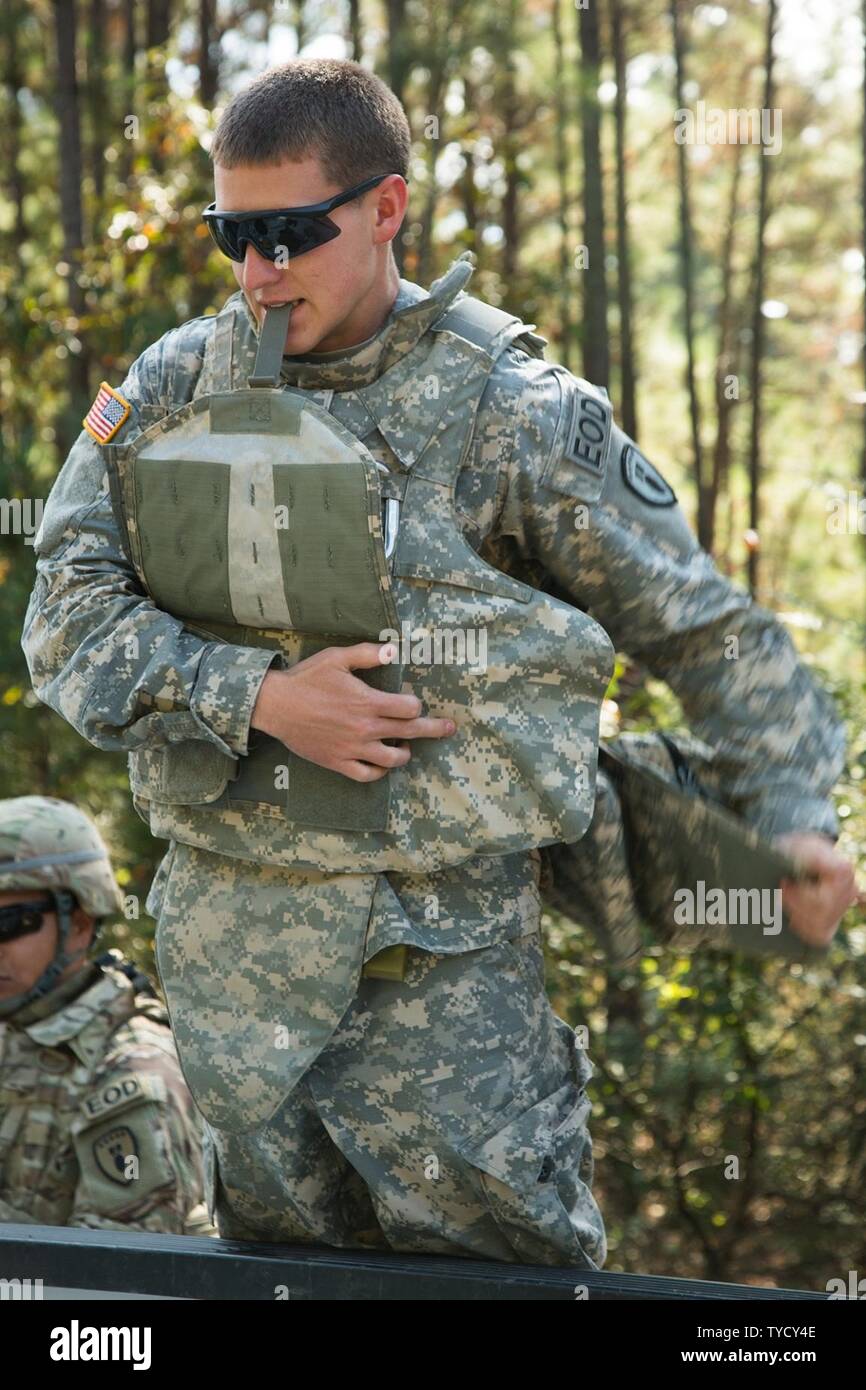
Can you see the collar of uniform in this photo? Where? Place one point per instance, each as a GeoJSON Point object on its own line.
{"type": "Point", "coordinates": [414, 312]}
{"type": "Point", "coordinates": [70, 1014]}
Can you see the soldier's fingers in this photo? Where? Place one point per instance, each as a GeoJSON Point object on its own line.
{"type": "Point", "coordinates": [807, 895]}
{"type": "Point", "coordinates": [387, 755]}
{"type": "Point", "coordinates": [386, 706]}
{"type": "Point", "coordinates": [820, 906]}
{"type": "Point", "coordinates": [362, 772]}
{"type": "Point", "coordinates": [364, 656]}
{"type": "Point", "coordinates": [835, 875]}
{"type": "Point", "coordinates": [414, 728]}
{"type": "Point", "coordinates": [814, 934]}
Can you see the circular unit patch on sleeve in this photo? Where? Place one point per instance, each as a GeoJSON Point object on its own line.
{"type": "Point", "coordinates": [644, 480]}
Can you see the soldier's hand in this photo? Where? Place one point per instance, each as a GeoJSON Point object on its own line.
{"type": "Point", "coordinates": [324, 713]}
{"type": "Point", "coordinates": [815, 908]}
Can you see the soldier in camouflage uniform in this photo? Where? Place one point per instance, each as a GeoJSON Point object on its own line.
{"type": "Point", "coordinates": [97, 1127]}
{"type": "Point", "coordinates": [368, 1035]}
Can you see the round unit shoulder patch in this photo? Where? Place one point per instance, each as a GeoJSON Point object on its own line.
{"type": "Point", "coordinates": [113, 1150]}
{"type": "Point", "coordinates": [644, 480]}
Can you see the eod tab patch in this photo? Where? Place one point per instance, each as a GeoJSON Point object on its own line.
{"type": "Point", "coordinates": [578, 458]}
{"type": "Point", "coordinates": [589, 434]}
{"type": "Point", "coordinates": [121, 1091]}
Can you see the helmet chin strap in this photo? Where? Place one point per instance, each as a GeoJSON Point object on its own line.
{"type": "Point", "coordinates": [64, 906]}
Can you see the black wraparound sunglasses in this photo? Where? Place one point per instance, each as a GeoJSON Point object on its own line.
{"type": "Point", "coordinates": [18, 919]}
{"type": "Point", "coordinates": [292, 230]}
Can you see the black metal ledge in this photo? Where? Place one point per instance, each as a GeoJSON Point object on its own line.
{"type": "Point", "coordinates": [201, 1268]}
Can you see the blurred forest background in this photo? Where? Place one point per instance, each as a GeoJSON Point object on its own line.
{"type": "Point", "coordinates": [717, 291]}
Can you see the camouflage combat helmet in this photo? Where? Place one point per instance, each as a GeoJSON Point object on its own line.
{"type": "Point", "coordinates": [47, 843]}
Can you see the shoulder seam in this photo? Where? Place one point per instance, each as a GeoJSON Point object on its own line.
{"type": "Point", "coordinates": [160, 358]}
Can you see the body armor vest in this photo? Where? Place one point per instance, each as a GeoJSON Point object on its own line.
{"type": "Point", "coordinates": [255, 515]}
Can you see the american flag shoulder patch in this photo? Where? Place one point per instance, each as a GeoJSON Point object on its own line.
{"type": "Point", "coordinates": [108, 412]}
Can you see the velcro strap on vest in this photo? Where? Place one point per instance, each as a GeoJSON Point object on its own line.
{"type": "Point", "coordinates": [269, 358]}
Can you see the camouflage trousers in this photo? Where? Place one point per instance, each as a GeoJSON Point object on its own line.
{"type": "Point", "coordinates": [447, 1114]}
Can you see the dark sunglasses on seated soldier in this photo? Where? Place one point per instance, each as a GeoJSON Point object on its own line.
{"type": "Point", "coordinates": [292, 230]}
{"type": "Point", "coordinates": [19, 919]}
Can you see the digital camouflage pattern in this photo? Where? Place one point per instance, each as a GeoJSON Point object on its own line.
{"type": "Point", "coordinates": [399, 1137]}
{"type": "Point", "coordinates": [259, 964]}
{"type": "Point", "coordinates": [524, 681]}
{"type": "Point", "coordinates": [127, 675]}
{"type": "Point", "coordinates": [89, 1080]}
{"type": "Point", "coordinates": [647, 783]}
{"type": "Point", "coordinates": [540, 502]}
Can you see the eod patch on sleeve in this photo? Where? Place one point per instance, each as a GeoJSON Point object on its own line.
{"type": "Point", "coordinates": [578, 459]}
{"type": "Point", "coordinates": [120, 1139]}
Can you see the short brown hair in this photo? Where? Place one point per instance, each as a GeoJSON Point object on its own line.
{"type": "Point", "coordinates": [335, 111]}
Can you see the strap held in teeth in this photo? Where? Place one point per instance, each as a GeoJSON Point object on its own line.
{"type": "Point", "coordinates": [272, 340]}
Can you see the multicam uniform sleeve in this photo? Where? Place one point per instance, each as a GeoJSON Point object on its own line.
{"type": "Point", "coordinates": [125, 674]}
{"type": "Point", "coordinates": [579, 499]}
{"type": "Point", "coordinates": [21, 1218]}
{"type": "Point", "coordinates": [137, 1143]}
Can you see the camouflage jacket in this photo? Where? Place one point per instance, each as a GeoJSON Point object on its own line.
{"type": "Point", "coordinates": [97, 1127]}
{"type": "Point", "coordinates": [603, 530]}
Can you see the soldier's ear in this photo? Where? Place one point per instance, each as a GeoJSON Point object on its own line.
{"type": "Point", "coordinates": [81, 935]}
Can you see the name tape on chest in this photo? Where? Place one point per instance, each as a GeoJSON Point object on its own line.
{"type": "Point", "coordinates": [121, 1091]}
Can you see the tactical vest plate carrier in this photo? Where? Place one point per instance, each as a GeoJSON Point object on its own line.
{"type": "Point", "coordinates": [255, 516]}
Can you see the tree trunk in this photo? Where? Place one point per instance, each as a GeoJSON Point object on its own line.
{"type": "Point", "coordinates": [398, 47]}
{"type": "Point", "coordinates": [14, 81]}
{"type": "Point", "coordinates": [130, 41]}
{"type": "Point", "coordinates": [726, 357]}
{"type": "Point", "coordinates": [397, 69]}
{"type": "Point", "coordinates": [158, 22]}
{"type": "Point", "coordinates": [758, 334]}
{"type": "Point", "coordinates": [68, 116]}
{"type": "Point", "coordinates": [428, 215]}
{"type": "Point", "coordinates": [355, 29]}
{"type": "Point", "coordinates": [468, 191]}
{"type": "Point", "coordinates": [208, 54]}
{"type": "Point", "coordinates": [628, 385]}
{"type": "Point", "coordinates": [442, 39]}
{"type": "Point", "coordinates": [97, 98]}
{"type": "Point", "coordinates": [863, 210]}
{"type": "Point", "coordinates": [596, 347]}
{"type": "Point", "coordinates": [688, 283]}
{"type": "Point", "coordinates": [158, 26]}
{"type": "Point", "coordinates": [510, 200]}
{"type": "Point", "coordinates": [565, 252]}
{"type": "Point", "coordinates": [300, 27]}
{"type": "Point", "coordinates": [130, 48]}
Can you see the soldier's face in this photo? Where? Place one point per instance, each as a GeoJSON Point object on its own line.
{"type": "Point", "coordinates": [342, 286]}
{"type": "Point", "coordinates": [23, 960]}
